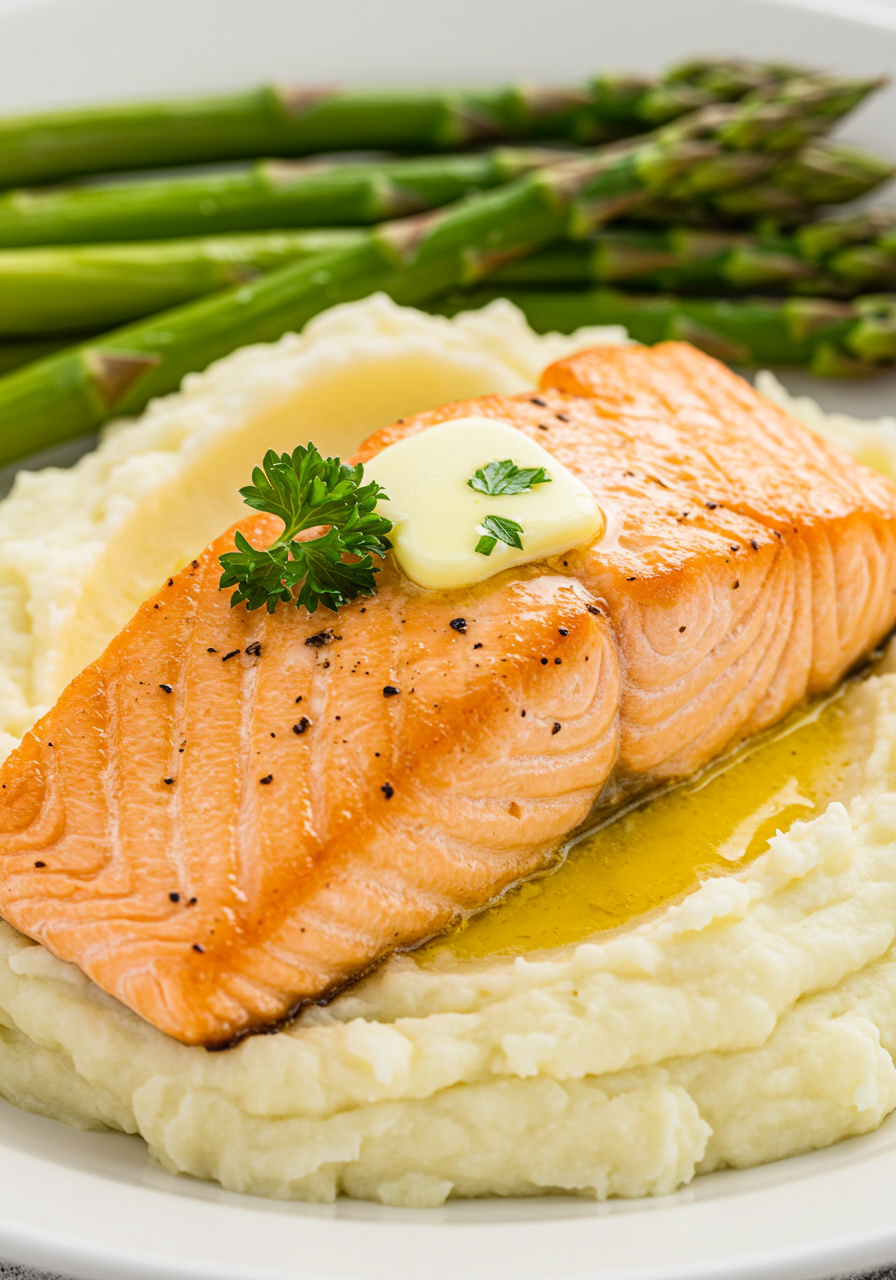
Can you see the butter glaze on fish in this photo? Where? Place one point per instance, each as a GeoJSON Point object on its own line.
{"type": "Point", "coordinates": [229, 814]}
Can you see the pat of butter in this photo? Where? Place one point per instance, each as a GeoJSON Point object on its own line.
{"type": "Point", "coordinates": [437, 517]}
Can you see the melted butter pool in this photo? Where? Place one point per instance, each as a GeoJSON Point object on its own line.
{"type": "Point", "coordinates": [662, 847]}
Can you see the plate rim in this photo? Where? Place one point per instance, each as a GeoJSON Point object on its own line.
{"type": "Point", "coordinates": [88, 1257]}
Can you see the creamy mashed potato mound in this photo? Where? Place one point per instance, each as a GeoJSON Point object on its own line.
{"type": "Point", "coordinates": [754, 1019]}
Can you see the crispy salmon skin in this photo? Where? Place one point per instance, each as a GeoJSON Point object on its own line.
{"type": "Point", "coordinates": [229, 814]}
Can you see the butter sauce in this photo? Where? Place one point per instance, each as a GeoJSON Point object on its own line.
{"type": "Point", "coordinates": [665, 845]}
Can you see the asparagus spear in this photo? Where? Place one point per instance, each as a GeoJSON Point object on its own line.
{"type": "Point", "coordinates": [293, 120]}
{"type": "Point", "coordinates": [841, 339]}
{"type": "Point", "coordinates": [837, 258]}
{"type": "Point", "coordinates": [274, 193]}
{"type": "Point", "coordinates": [821, 173]}
{"type": "Point", "coordinates": [683, 259]}
{"type": "Point", "coordinates": [729, 79]}
{"type": "Point", "coordinates": [87, 288]}
{"type": "Point", "coordinates": [294, 193]}
{"type": "Point", "coordinates": [414, 259]}
{"type": "Point", "coordinates": [84, 289]}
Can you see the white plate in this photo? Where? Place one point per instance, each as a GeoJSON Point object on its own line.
{"type": "Point", "coordinates": [95, 1205]}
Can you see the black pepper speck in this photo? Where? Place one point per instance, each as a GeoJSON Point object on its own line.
{"type": "Point", "coordinates": [389, 691]}
{"type": "Point", "coordinates": [166, 688]}
{"type": "Point", "coordinates": [557, 727]}
{"type": "Point", "coordinates": [174, 897]}
{"type": "Point", "coordinates": [388, 790]}
{"type": "Point", "coordinates": [268, 778]}
{"type": "Point", "coordinates": [458, 624]}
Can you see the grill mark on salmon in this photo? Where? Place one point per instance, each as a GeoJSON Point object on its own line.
{"type": "Point", "coordinates": [747, 565]}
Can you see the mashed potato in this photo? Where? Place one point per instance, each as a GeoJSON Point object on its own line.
{"type": "Point", "coordinates": [752, 1020]}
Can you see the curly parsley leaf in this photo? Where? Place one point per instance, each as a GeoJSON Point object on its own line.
{"type": "Point", "coordinates": [306, 491]}
{"type": "Point", "coordinates": [507, 478]}
{"type": "Point", "coordinates": [499, 528]}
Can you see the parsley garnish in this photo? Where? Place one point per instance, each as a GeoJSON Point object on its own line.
{"type": "Point", "coordinates": [498, 478]}
{"type": "Point", "coordinates": [507, 477]}
{"type": "Point", "coordinates": [499, 528]}
{"type": "Point", "coordinates": [306, 490]}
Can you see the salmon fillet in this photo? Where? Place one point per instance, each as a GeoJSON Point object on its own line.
{"type": "Point", "coordinates": [230, 814]}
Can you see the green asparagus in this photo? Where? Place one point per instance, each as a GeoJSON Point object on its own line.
{"type": "Point", "coordinates": [682, 259]}
{"type": "Point", "coordinates": [285, 194]}
{"type": "Point", "coordinates": [861, 257]}
{"type": "Point", "coordinates": [842, 339]}
{"type": "Point", "coordinates": [822, 173]}
{"type": "Point", "coordinates": [413, 259]}
{"type": "Point", "coordinates": [272, 194]}
{"type": "Point", "coordinates": [289, 121]}
{"type": "Point", "coordinates": [87, 288]}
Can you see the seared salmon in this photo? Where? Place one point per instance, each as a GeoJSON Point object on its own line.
{"type": "Point", "coordinates": [230, 814]}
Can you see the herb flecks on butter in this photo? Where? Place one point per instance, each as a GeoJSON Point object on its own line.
{"type": "Point", "coordinates": [438, 512]}
{"type": "Point", "coordinates": [498, 479]}
{"type": "Point", "coordinates": [307, 490]}
{"type": "Point", "coordinates": [498, 529]}
{"type": "Point", "coordinates": [506, 477]}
